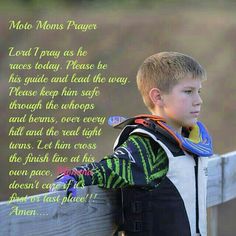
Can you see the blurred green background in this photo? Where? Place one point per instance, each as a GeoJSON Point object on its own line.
{"type": "Point", "coordinates": [128, 32]}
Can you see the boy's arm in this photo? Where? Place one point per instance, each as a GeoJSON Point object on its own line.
{"type": "Point", "coordinates": [139, 161]}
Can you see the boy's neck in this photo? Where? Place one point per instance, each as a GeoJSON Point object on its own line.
{"type": "Point", "coordinates": [169, 122]}
{"type": "Point", "coordinates": [173, 126]}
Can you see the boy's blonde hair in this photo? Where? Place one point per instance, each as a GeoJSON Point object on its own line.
{"type": "Point", "coordinates": [163, 71]}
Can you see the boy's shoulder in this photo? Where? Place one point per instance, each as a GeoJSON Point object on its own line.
{"type": "Point", "coordinates": [120, 122]}
{"type": "Point", "coordinates": [156, 128]}
{"type": "Point", "coordinates": [144, 130]}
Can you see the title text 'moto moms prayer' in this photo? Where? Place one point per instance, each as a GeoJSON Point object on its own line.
{"type": "Point", "coordinates": [46, 25]}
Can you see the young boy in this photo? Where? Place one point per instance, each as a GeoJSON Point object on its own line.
{"type": "Point", "coordinates": [159, 160]}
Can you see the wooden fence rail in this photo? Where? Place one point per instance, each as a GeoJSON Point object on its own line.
{"type": "Point", "coordinates": [96, 209]}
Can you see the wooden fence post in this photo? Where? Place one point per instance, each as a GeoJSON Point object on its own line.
{"type": "Point", "coordinates": [213, 221]}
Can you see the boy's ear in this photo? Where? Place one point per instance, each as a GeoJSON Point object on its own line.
{"type": "Point", "coordinates": [155, 96]}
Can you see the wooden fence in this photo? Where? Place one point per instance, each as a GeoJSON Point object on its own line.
{"type": "Point", "coordinates": [96, 209]}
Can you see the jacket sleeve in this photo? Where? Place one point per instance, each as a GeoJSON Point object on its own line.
{"type": "Point", "coordinates": [137, 162]}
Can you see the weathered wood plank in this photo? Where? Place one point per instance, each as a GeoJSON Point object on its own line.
{"type": "Point", "coordinates": [94, 217]}
{"type": "Point", "coordinates": [214, 184]}
{"type": "Point", "coordinates": [229, 176]}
